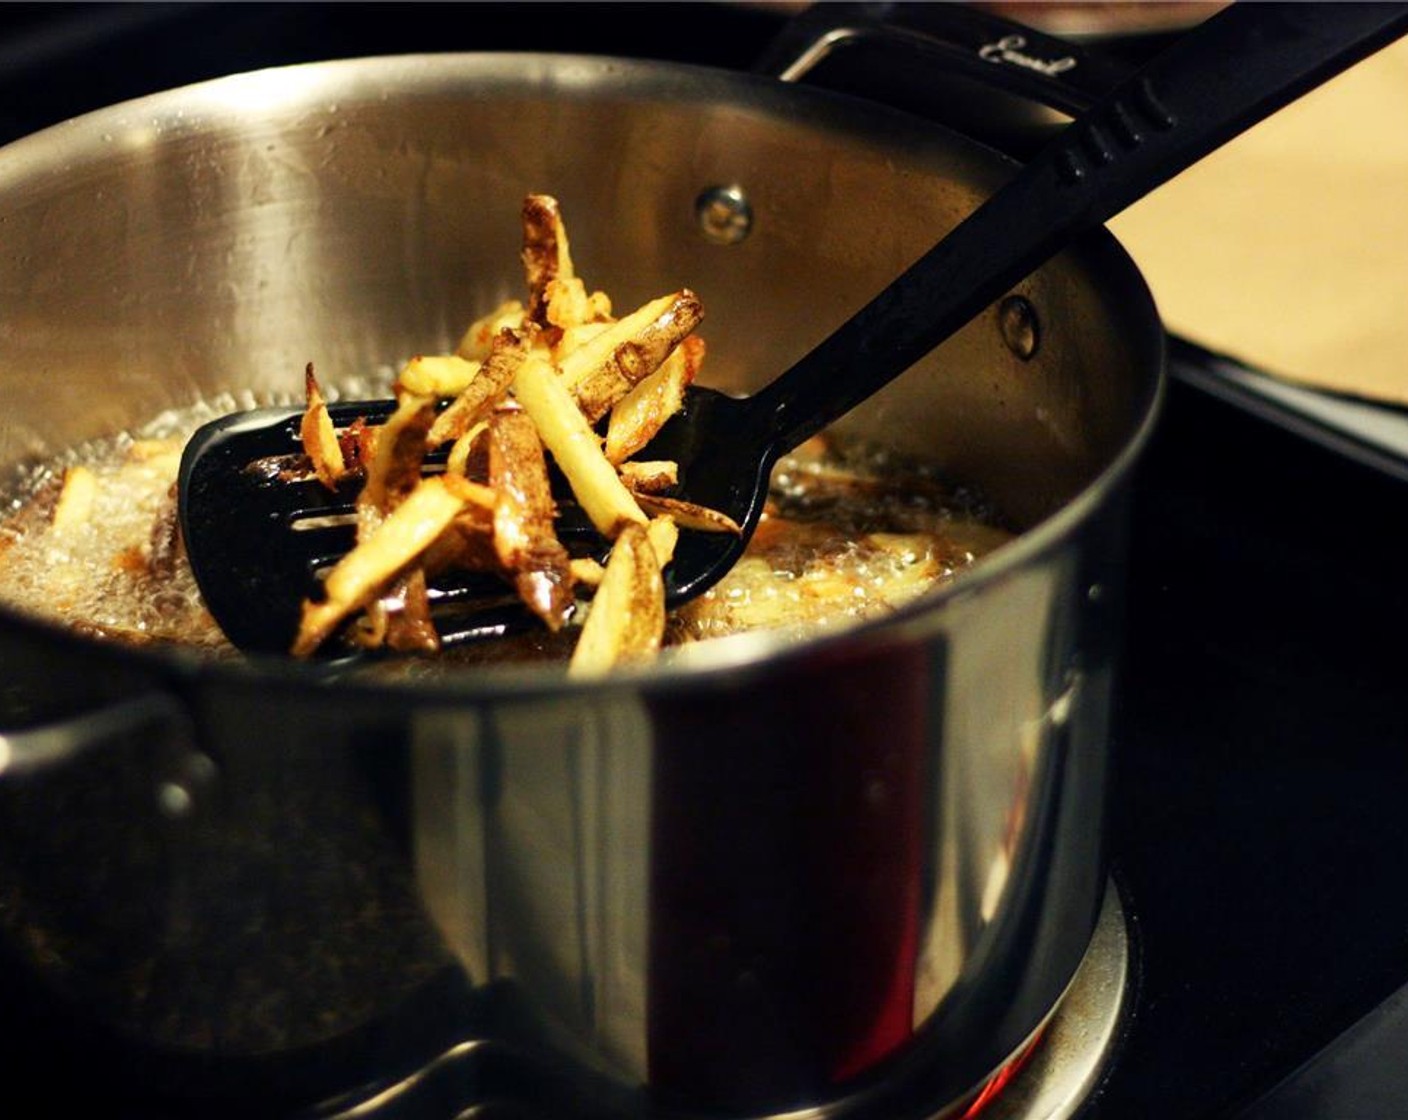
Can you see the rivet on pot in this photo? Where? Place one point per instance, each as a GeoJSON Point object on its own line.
{"type": "Point", "coordinates": [174, 799]}
{"type": "Point", "coordinates": [1021, 330]}
{"type": "Point", "coordinates": [725, 214]}
{"type": "Point", "coordinates": [178, 796]}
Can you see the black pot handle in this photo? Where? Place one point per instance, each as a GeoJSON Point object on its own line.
{"type": "Point", "coordinates": [183, 774]}
{"type": "Point", "coordinates": [960, 40]}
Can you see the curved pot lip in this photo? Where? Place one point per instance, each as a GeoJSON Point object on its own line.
{"type": "Point", "coordinates": [720, 661]}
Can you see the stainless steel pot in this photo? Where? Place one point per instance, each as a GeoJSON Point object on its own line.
{"type": "Point", "coordinates": [763, 878]}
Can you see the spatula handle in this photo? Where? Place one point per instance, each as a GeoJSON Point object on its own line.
{"type": "Point", "coordinates": [1225, 75]}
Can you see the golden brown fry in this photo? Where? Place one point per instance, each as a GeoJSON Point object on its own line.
{"type": "Point", "coordinates": [664, 535]}
{"type": "Point", "coordinates": [318, 435]}
{"type": "Point", "coordinates": [464, 449]}
{"type": "Point", "coordinates": [643, 476]}
{"type": "Point", "coordinates": [468, 542]}
{"type": "Point", "coordinates": [641, 413]}
{"type": "Point", "coordinates": [483, 392]}
{"type": "Point", "coordinates": [524, 537]}
{"type": "Point", "coordinates": [75, 505]}
{"type": "Point", "coordinates": [399, 618]}
{"type": "Point", "coordinates": [162, 455]}
{"type": "Point", "coordinates": [359, 576]}
{"type": "Point", "coordinates": [688, 515]}
{"type": "Point", "coordinates": [577, 449]}
{"type": "Point", "coordinates": [546, 254]}
{"type": "Point", "coordinates": [358, 443]}
{"type": "Point", "coordinates": [569, 305]}
{"type": "Point", "coordinates": [605, 367]}
{"type": "Point", "coordinates": [572, 338]}
{"type": "Point", "coordinates": [477, 342]}
{"type": "Point", "coordinates": [395, 468]}
{"type": "Point", "coordinates": [556, 295]}
{"type": "Point", "coordinates": [435, 375]}
{"type": "Point", "coordinates": [626, 622]}
{"type": "Point", "coordinates": [587, 571]}
{"type": "Point", "coordinates": [522, 378]}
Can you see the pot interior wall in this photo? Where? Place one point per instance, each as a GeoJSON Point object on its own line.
{"type": "Point", "coordinates": [216, 239]}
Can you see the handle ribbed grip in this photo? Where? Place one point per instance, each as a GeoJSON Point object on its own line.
{"type": "Point", "coordinates": [1222, 77]}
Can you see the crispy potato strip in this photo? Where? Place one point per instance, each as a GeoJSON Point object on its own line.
{"type": "Point", "coordinates": [478, 341]}
{"type": "Point", "coordinates": [75, 505]}
{"type": "Point", "coordinates": [528, 379]}
{"type": "Point", "coordinates": [687, 515]}
{"type": "Point", "coordinates": [395, 468]}
{"type": "Point", "coordinates": [436, 375]}
{"type": "Point", "coordinates": [318, 435]}
{"type": "Point", "coordinates": [360, 575]}
{"type": "Point", "coordinates": [649, 476]}
{"type": "Point", "coordinates": [606, 366]}
{"type": "Point", "coordinates": [484, 390]}
{"type": "Point", "coordinates": [557, 297]}
{"type": "Point", "coordinates": [664, 534]}
{"type": "Point", "coordinates": [642, 412]}
{"type": "Point", "coordinates": [524, 536]}
{"type": "Point", "coordinates": [577, 449]}
{"type": "Point", "coordinates": [546, 253]}
{"type": "Point", "coordinates": [626, 622]}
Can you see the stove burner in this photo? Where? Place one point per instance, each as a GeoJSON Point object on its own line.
{"type": "Point", "coordinates": [1054, 1075]}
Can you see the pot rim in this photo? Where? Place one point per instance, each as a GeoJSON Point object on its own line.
{"type": "Point", "coordinates": [706, 664]}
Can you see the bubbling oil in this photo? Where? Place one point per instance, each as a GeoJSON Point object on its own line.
{"type": "Point", "coordinates": [849, 532]}
{"type": "Point", "coordinates": [89, 540]}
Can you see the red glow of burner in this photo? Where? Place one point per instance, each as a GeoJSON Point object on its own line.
{"type": "Point", "coordinates": [1001, 1079]}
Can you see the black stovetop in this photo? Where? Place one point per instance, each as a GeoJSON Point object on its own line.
{"type": "Point", "coordinates": [1261, 739]}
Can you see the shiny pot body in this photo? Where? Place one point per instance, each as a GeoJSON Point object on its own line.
{"type": "Point", "coordinates": [761, 877]}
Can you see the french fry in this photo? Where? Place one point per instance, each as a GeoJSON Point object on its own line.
{"type": "Point", "coordinates": [546, 253]}
{"type": "Point", "coordinates": [605, 367]}
{"type": "Point", "coordinates": [161, 455]}
{"type": "Point", "coordinates": [394, 471]}
{"type": "Point", "coordinates": [318, 436]}
{"type": "Point", "coordinates": [649, 476]}
{"type": "Point", "coordinates": [688, 515]}
{"type": "Point", "coordinates": [468, 542]}
{"type": "Point", "coordinates": [587, 571]}
{"type": "Point", "coordinates": [572, 338]}
{"type": "Point", "coordinates": [524, 379]}
{"type": "Point", "coordinates": [436, 375]}
{"type": "Point", "coordinates": [477, 342]}
{"type": "Point", "coordinates": [626, 621]}
{"type": "Point", "coordinates": [577, 449]}
{"type": "Point", "coordinates": [664, 535]}
{"type": "Point", "coordinates": [400, 617]}
{"type": "Point", "coordinates": [75, 505]}
{"type": "Point", "coordinates": [642, 412]}
{"type": "Point", "coordinates": [569, 304]}
{"type": "Point", "coordinates": [458, 461]}
{"type": "Point", "coordinates": [557, 297]}
{"type": "Point", "coordinates": [407, 531]}
{"type": "Point", "coordinates": [524, 537]}
{"type": "Point", "coordinates": [483, 392]}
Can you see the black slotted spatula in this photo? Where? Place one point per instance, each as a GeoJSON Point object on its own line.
{"type": "Point", "coordinates": [254, 567]}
